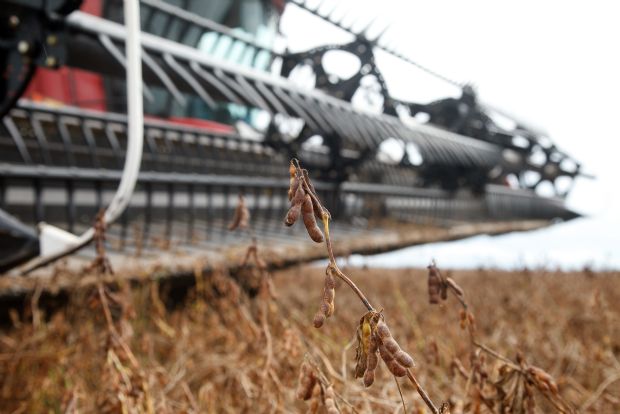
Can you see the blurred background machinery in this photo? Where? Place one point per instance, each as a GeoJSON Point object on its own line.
{"type": "Point", "coordinates": [227, 104]}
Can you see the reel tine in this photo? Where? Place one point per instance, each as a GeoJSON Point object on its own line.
{"type": "Point", "coordinates": [331, 15]}
{"type": "Point", "coordinates": [329, 10]}
{"type": "Point", "coordinates": [364, 31]}
{"type": "Point", "coordinates": [381, 35]}
{"type": "Point", "coordinates": [318, 6]}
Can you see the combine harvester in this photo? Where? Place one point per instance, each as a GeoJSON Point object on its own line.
{"type": "Point", "coordinates": [216, 109]}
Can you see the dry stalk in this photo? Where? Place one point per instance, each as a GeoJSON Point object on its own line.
{"type": "Point", "coordinates": [517, 378]}
{"type": "Point", "coordinates": [305, 201]}
{"type": "Point", "coordinates": [400, 393]}
{"type": "Point", "coordinates": [132, 376]}
{"type": "Point", "coordinates": [101, 264]}
{"type": "Point", "coordinates": [599, 391]}
{"type": "Point", "coordinates": [34, 306]}
{"type": "Point", "coordinates": [313, 370]}
{"type": "Point", "coordinates": [241, 221]}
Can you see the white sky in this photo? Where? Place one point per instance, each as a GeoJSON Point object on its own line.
{"type": "Point", "coordinates": [556, 63]}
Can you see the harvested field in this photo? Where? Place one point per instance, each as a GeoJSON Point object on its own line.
{"type": "Point", "coordinates": [214, 349]}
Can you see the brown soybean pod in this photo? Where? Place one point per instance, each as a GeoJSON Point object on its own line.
{"type": "Point", "coordinates": [361, 353]}
{"type": "Point", "coordinates": [293, 182]}
{"type": "Point", "coordinates": [434, 285]}
{"type": "Point", "coordinates": [404, 359]}
{"type": "Point", "coordinates": [292, 170]}
{"type": "Point", "coordinates": [244, 215]}
{"type": "Point", "coordinates": [316, 400]}
{"type": "Point", "coordinates": [307, 380]}
{"type": "Point", "coordinates": [326, 309]}
{"type": "Point", "coordinates": [318, 211]}
{"type": "Point", "coordinates": [392, 346]}
{"type": "Point", "coordinates": [330, 403]}
{"type": "Point", "coordinates": [307, 213]}
{"type": "Point", "coordinates": [463, 318]}
{"type": "Point", "coordinates": [235, 221]}
{"type": "Point", "coordinates": [393, 366]}
{"type": "Point", "coordinates": [386, 356]}
{"type": "Point", "coordinates": [292, 215]}
{"type": "Point", "coordinates": [396, 369]}
{"type": "Point", "coordinates": [372, 361]}
{"type": "Point", "coordinates": [401, 356]}
{"type": "Point", "coordinates": [293, 188]}
{"type": "Point", "coordinates": [383, 331]}
{"type": "Point", "coordinates": [328, 299]}
{"type": "Point", "coordinates": [319, 319]}
{"type": "Point", "coordinates": [369, 378]}
{"type": "Point", "coordinates": [472, 320]}
{"type": "Point", "coordinates": [453, 285]}
{"type": "Point", "coordinates": [241, 217]}
{"type": "Point", "coordinates": [330, 277]}
{"type": "Point", "coordinates": [300, 195]}
{"type": "Point", "coordinates": [444, 291]}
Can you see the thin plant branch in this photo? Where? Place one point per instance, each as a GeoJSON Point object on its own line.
{"type": "Point", "coordinates": [301, 177]}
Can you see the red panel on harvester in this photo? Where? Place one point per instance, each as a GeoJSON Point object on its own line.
{"type": "Point", "coordinates": [70, 86]}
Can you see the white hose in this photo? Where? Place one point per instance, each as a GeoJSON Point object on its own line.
{"type": "Point", "coordinates": [133, 158]}
{"type": "Point", "coordinates": [135, 121]}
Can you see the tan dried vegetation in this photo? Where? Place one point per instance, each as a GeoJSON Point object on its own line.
{"type": "Point", "coordinates": [493, 342]}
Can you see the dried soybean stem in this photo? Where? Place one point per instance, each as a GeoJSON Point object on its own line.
{"type": "Point", "coordinates": [332, 261]}
{"type": "Point", "coordinates": [460, 299]}
{"type": "Point", "coordinates": [324, 381]}
{"type": "Point", "coordinates": [493, 353]}
{"type": "Point", "coordinates": [325, 217]}
{"type": "Point", "coordinates": [112, 329]}
{"type": "Point", "coordinates": [520, 366]}
{"type": "Point", "coordinates": [344, 359]}
{"type": "Point", "coordinates": [527, 372]}
{"type": "Point", "coordinates": [400, 392]}
{"type": "Point", "coordinates": [422, 393]}
{"type": "Point", "coordinates": [106, 309]}
{"type": "Point", "coordinates": [268, 339]}
{"type": "Point", "coordinates": [479, 345]}
{"type": "Point", "coordinates": [599, 391]}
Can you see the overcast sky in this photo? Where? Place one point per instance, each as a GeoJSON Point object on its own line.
{"type": "Point", "coordinates": [555, 63]}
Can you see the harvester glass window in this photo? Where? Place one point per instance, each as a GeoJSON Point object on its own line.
{"type": "Point", "coordinates": [251, 19]}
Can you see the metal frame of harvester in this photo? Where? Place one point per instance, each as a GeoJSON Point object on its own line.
{"type": "Point", "coordinates": [60, 164]}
